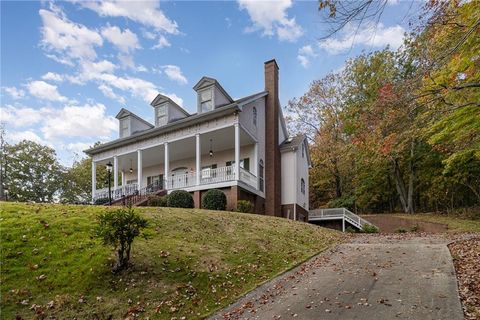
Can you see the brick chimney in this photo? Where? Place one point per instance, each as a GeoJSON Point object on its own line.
{"type": "Point", "coordinates": [273, 169]}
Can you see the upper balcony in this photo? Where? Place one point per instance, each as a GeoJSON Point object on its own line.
{"type": "Point", "coordinates": [216, 159]}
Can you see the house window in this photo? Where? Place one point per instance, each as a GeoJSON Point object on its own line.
{"type": "Point", "coordinates": [260, 171]}
{"type": "Point", "coordinates": [244, 163]}
{"type": "Point", "coordinates": [302, 186]}
{"type": "Point", "coordinates": [303, 150]}
{"type": "Point", "coordinates": [132, 181]}
{"type": "Point", "coordinates": [206, 103]}
{"type": "Point", "coordinates": [161, 116]}
{"type": "Point", "coordinates": [254, 110]}
{"type": "Point", "coordinates": [124, 128]}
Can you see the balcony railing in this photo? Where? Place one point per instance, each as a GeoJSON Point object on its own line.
{"type": "Point", "coordinates": [182, 181]}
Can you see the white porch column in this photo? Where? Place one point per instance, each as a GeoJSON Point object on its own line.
{"type": "Point", "coordinates": [254, 165]}
{"type": "Point", "coordinates": [237, 151]}
{"type": "Point", "coordinates": [166, 166]}
{"type": "Point", "coordinates": [199, 158]}
{"type": "Point", "coordinates": [139, 169]}
{"type": "Point", "coordinates": [124, 181]}
{"type": "Point", "coordinates": [115, 173]}
{"type": "Point", "coordinates": [94, 180]}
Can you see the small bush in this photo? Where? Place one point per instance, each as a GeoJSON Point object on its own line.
{"type": "Point", "coordinates": [180, 199]}
{"type": "Point", "coordinates": [415, 228]}
{"type": "Point", "coordinates": [101, 201]}
{"type": "Point", "coordinates": [401, 230]}
{"type": "Point", "coordinates": [214, 199]}
{"type": "Point", "coordinates": [157, 201]}
{"type": "Point", "coordinates": [119, 228]}
{"type": "Point", "coordinates": [350, 229]}
{"type": "Point", "coordinates": [244, 206]}
{"type": "Point", "coordinates": [368, 228]}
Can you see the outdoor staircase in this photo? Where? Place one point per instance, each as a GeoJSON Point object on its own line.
{"type": "Point", "coordinates": [343, 214]}
{"type": "Point", "coordinates": [139, 197]}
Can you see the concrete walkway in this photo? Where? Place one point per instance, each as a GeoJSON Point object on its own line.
{"type": "Point", "coordinates": [371, 277]}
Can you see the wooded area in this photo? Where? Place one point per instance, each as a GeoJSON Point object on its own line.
{"type": "Point", "coordinates": [399, 130]}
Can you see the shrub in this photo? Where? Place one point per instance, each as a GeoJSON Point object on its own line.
{"type": "Point", "coordinates": [180, 199]}
{"type": "Point", "coordinates": [350, 229]}
{"type": "Point", "coordinates": [244, 206]}
{"type": "Point", "coordinates": [368, 228]}
{"type": "Point", "coordinates": [401, 230]}
{"type": "Point", "coordinates": [101, 201]}
{"type": "Point", "coordinates": [415, 228]}
{"type": "Point", "coordinates": [214, 199]}
{"type": "Point", "coordinates": [157, 201]}
{"type": "Point", "coordinates": [119, 228]}
{"type": "Point", "coordinates": [343, 202]}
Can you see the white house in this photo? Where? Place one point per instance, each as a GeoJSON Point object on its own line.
{"type": "Point", "coordinates": [241, 147]}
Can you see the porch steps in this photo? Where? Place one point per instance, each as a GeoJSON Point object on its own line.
{"type": "Point", "coordinates": [137, 200]}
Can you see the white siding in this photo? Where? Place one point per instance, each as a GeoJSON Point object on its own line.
{"type": "Point", "coordinates": [137, 125]}
{"type": "Point", "coordinates": [289, 182]}
{"type": "Point", "coordinates": [302, 172]}
{"type": "Point", "coordinates": [219, 99]}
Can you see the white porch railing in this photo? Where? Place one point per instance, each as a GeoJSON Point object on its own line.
{"type": "Point", "coordinates": [179, 181]}
{"type": "Point", "coordinates": [217, 175]}
{"type": "Point", "coordinates": [116, 193]}
{"type": "Point", "coordinates": [249, 178]}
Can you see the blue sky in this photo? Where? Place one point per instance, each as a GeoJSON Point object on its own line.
{"type": "Point", "coordinates": [68, 67]}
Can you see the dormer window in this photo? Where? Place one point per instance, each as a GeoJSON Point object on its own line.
{"type": "Point", "coordinates": [161, 115]}
{"type": "Point", "coordinates": [206, 101]}
{"type": "Point", "coordinates": [124, 130]}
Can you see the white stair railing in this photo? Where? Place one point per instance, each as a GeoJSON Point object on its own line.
{"type": "Point", "coordinates": [338, 213]}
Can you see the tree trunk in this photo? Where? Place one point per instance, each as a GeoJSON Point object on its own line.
{"type": "Point", "coordinates": [411, 178]}
{"type": "Point", "coordinates": [400, 185]}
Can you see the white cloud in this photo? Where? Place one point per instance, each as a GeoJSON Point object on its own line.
{"type": "Point", "coordinates": [126, 41]}
{"type": "Point", "coordinates": [78, 147]}
{"type": "Point", "coordinates": [147, 13]}
{"type": "Point", "coordinates": [270, 17]}
{"type": "Point", "coordinates": [19, 116]}
{"type": "Point", "coordinates": [108, 92]}
{"type": "Point", "coordinates": [305, 53]}
{"type": "Point", "coordinates": [370, 35]}
{"type": "Point", "coordinates": [17, 136]}
{"type": "Point", "coordinates": [52, 76]}
{"type": "Point", "coordinates": [88, 120]}
{"type": "Point", "coordinates": [45, 91]}
{"type": "Point", "coordinates": [14, 92]}
{"type": "Point", "coordinates": [174, 73]}
{"type": "Point", "coordinates": [67, 39]}
{"type": "Point", "coordinates": [148, 35]}
{"type": "Point", "coordinates": [162, 43]}
{"type": "Point", "coordinates": [127, 61]}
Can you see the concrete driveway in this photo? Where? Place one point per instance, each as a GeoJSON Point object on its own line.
{"type": "Point", "coordinates": [370, 277]}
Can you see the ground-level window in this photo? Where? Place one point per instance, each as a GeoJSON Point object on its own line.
{"type": "Point", "coordinates": [260, 175]}
{"type": "Point", "coordinates": [302, 186]}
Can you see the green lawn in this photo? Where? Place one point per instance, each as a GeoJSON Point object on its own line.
{"type": "Point", "coordinates": [455, 224]}
{"type": "Point", "coordinates": [194, 262]}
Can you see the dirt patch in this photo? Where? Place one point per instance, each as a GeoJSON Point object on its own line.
{"type": "Point", "coordinates": [391, 224]}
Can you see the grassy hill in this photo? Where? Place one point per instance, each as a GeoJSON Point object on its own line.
{"type": "Point", "coordinates": [194, 262]}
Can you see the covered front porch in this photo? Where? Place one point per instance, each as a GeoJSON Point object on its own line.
{"type": "Point", "coordinates": [216, 159]}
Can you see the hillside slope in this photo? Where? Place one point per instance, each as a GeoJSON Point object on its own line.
{"type": "Point", "coordinates": [194, 262]}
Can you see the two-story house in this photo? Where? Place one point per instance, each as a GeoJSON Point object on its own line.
{"type": "Point", "coordinates": [241, 147]}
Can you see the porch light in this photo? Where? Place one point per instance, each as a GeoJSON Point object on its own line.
{"type": "Point", "coordinates": [131, 169]}
{"type": "Point", "coordinates": [211, 149]}
{"type": "Point", "coordinates": [109, 166]}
